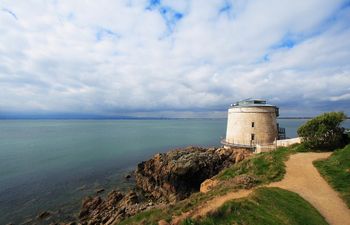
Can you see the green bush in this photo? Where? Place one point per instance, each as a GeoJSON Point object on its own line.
{"type": "Point", "coordinates": [324, 131]}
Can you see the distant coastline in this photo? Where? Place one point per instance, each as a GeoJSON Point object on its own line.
{"type": "Point", "coordinates": [98, 117]}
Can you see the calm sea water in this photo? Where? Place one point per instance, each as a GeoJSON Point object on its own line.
{"type": "Point", "coordinates": [52, 164]}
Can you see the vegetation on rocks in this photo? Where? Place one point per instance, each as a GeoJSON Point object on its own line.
{"type": "Point", "coordinates": [324, 132]}
{"type": "Point", "coordinates": [272, 206]}
{"type": "Point", "coordinates": [336, 170]}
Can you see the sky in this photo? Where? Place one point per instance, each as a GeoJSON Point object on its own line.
{"type": "Point", "coordinates": [173, 58]}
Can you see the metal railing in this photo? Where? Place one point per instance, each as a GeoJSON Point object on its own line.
{"type": "Point", "coordinates": [253, 145]}
{"type": "Point", "coordinates": [281, 133]}
{"type": "Point", "coordinates": [224, 142]}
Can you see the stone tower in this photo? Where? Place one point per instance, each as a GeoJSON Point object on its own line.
{"type": "Point", "coordinates": [252, 123]}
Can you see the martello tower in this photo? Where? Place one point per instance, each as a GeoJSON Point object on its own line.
{"type": "Point", "coordinates": [252, 122]}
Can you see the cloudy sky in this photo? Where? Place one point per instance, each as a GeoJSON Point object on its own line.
{"type": "Point", "coordinates": [176, 58]}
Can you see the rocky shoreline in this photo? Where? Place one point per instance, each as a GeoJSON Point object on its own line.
{"type": "Point", "coordinates": [164, 179]}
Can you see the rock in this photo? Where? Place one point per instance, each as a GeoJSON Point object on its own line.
{"type": "Point", "coordinates": [28, 221]}
{"type": "Point", "coordinates": [130, 198]}
{"type": "Point", "coordinates": [114, 197]}
{"type": "Point", "coordinates": [207, 185]}
{"type": "Point", "coordinates": [44, 215]}
{"type": "Point", "coordinates": [89, 204]}
{"type": "Point", "coordinates": [128, 176]}
{"type": "Point", "coordinates": [246, 181]}
{"type": "Point", "coordinates": [239, 157]}
{"type": "Point", "coordinates": [110, 221]}
{"type": "Point", "coordinates": [178, 173]}
{"type": "Point", "coordinates": [163, 222]}
{"type": "Point", "coordinates": [114, 208]}
{"type": "Point", "coordinates": [99, 191]}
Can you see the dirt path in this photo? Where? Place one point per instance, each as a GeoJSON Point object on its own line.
{"type": "Point", "coordinates": [301, 177]}
{"type": "Point", "coordinates": [211, 205]}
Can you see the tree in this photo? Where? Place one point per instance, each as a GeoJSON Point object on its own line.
{"type": "Point", "coordinates": [324, 131]}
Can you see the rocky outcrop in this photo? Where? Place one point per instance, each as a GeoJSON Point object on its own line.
{"type": "Point", "coordinates": [166, 177]}
{"type": "Point", "coordinates": [176, 174]}
{"type": "Point", "coordinates": [113, 209]}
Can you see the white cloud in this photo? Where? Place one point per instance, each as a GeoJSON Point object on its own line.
{"type": "Point", "coordinates": [118, 57]}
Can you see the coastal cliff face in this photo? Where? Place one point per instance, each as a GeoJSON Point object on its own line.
{"type": "Point", "coordinates": [176, 174]}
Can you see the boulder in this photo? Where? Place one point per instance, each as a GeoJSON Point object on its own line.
{"type": "Point", "coordinates": [208, 184]}
{"type": "Point", "coordinates": [100, 190]}
{"type": "Point", "coordinates": [44, 215]}
{"type": "Point", "coordinates": [245, 181]}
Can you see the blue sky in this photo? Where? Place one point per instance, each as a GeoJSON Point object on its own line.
{"type": "Point", "coordinates": [173, 58]}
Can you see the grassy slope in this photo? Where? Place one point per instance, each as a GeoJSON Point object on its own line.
{"type": "Point", "coordinates": [270, 206]}
{"type": "Point", "coordinates": [265, 167]}
{"type": "Point", "coordinates": [336, 170]}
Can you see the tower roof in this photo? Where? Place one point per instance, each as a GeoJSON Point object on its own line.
{"type": "Point", "coordinates": [252, 102]}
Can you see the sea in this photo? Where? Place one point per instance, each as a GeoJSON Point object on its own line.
{"type": "Point", "coordinates": [51, 165]}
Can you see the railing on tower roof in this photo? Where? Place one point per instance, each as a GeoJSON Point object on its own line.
{"type": "Point", "coordinates": [249, 102]}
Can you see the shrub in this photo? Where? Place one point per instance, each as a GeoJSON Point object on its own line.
{"type": "Point", "coordinates": [324, 131]}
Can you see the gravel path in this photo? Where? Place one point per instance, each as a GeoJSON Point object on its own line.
{"type": "Point", "coordinates": [301, 177]}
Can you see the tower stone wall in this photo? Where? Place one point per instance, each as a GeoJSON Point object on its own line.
{"type": "Point", "coordinates": [251, 125]}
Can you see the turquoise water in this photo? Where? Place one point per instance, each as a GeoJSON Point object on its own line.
{"type": "Point", "coordinates": [52, 164]}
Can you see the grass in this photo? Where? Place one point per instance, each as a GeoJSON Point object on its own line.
{"type": "Point", "coordinates": [149, 217]}
{"type": "Point", "coordinates": [336, 170]}
{"type": "Point", "coordinates": [265, 167]}
{"type": "Point", "coordinates": [266, 206]}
